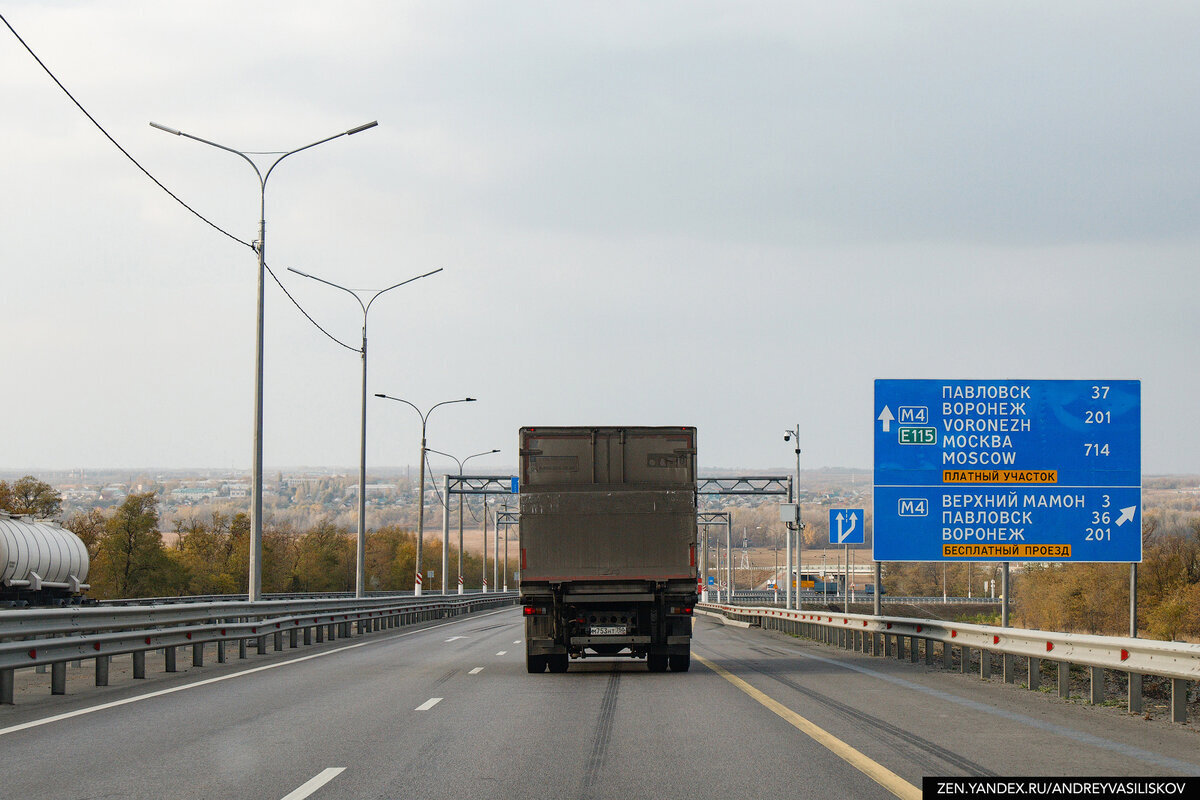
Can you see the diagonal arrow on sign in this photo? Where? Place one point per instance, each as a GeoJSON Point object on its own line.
{"type": "Point", "coordinates": [853, 524]}
{"type": "Point", "coordinates": [1126, 515]}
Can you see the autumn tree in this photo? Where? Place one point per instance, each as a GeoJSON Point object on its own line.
{"type": "Point", "coordinates": [89, 527]}
{"type": "Point", "coordinates": [28, 495]}
{"type": "Point", "coordinates": [325, 560]}
{"type": "Point", "coordinates": [130, 558]}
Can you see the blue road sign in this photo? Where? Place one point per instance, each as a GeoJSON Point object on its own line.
{"type": "Point", "coordinates": [847, 526]}
{"type": "Point", "coordinates": [711, 580]}
{"type": "Point", "coordinates": [1010, 470]}
{"type": "Point", "coordinates": [516, 485]}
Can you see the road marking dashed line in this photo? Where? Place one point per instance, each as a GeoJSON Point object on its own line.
{"type": "Point", "coordinates": [428, 704]}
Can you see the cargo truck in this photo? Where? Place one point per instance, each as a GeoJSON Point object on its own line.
{"type": "Point", "coordinates": [608, 544]}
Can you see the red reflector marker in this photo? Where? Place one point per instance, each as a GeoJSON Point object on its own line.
{"type": "Point", "coordinates": [33, 653]}
{"type": "Point", "coordinates": [1124, 654]}
{"type": "Point", "coordinates": [919, 628]}
{"type": "Point", "coordinates": [995, 640]}
{"type": "Point", "coordinates": [889, 626]}
{"type": "Point", "coordinates": [953, 634]}
{"type": "Point", "coordinates": [188, 634]}
{"type": "Point", "coordinates": [1049, 646]}
{"type": "Point", "coordinates": [96, 645]}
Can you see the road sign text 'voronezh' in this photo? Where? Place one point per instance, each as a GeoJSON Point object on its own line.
{"type": "Point", "coordinates": [1012, 470]}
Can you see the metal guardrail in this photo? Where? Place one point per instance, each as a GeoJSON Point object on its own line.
{"type": "Point", "coordinates": [216, 598]}
{"type": "Point", "coordinates": [1177, 661]}
{"type": "Point", "coordinates": [758, 595]}
{"type": "Point", "coordinates": [41, 637]}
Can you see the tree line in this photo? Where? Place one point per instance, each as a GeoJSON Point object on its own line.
{"type": "Point", "coordinates": [130, 557]}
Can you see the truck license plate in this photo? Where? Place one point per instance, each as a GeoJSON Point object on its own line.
{"type": "Point", "coordinates": [608, 630]}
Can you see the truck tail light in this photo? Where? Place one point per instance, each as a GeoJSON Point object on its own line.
{"type": "Point", "coordinates": [533, 611]}
{"type": "Point", "coordinates": [684, 610]}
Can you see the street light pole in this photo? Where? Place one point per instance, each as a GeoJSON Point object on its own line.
{"type": "Point", "coordinates": [260, 246]}
{"type": "Point", "coordinates": [421, 498]}
{"type": "Point", "coordinates": [360, 558]}
{"type": "Point", "coordinates": [445, 544]}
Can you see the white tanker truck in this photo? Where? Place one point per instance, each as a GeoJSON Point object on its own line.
{"type": "Point", "coordinates": [41, 562]}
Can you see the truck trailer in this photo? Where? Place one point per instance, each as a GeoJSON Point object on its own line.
{"type": "Point", "coordinates": [608, 544]}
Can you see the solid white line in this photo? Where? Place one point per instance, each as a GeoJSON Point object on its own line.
{"type": "Point", "coordinates": [312, 784]}
{"type": "Point", "coordinates": [476, 671]}
{"type": "Point", "coordinates": [502, 653]}
{"type": "Point", "coordinates": [453, 638]}
{"type": "Point", "coordinates": [428, 704]}
{"type": "Point", "coordinates": [103, 706]}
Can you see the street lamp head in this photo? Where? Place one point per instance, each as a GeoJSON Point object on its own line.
{"type": "Point", "coordinates": [380, 394]}
{"type": "Point", "coordinates": [165, 128]}
{"type": "Point", "coordinates": [360, 128]}
{"type": "Point", "coordinates": [468, 399]}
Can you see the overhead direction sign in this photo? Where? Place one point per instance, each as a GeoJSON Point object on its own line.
{"type": "Point", "coordinates": [847, 526]}
{"type": "Point", "coordinates": [1012, 470]}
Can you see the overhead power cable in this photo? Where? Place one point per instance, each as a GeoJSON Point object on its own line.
{"type": "Point", "coordinates": [160, 185]}
{"type": "Point", "coordinates": [115, 143]}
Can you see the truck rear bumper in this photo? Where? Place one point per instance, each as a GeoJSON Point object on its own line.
{"type": "Point", "coordinates": [588, 641]}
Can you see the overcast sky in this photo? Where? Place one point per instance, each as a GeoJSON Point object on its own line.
{"type": "Point", "coordinates": [727, 215]}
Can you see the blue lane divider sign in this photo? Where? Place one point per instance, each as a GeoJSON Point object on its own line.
{"type": "Point", "coordinates": [847, 526]}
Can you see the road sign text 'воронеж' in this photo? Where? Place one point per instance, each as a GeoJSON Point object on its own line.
{"type": "Point", "coordinates": [1013, 470]}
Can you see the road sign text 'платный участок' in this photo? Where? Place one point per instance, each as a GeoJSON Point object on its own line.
{"type": "Point", "coordinates": [1012, 470]}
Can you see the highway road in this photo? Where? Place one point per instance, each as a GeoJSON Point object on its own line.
{"type": "Point", "coordinates": [448, 711]}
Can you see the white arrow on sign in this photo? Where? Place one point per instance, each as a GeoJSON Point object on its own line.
{"type": "Point", "coordinates": [853, 523]}
{"type": "Point", "coordinates": [1126, 515]}
{"type": "Point", "coordinates": [886, 418]}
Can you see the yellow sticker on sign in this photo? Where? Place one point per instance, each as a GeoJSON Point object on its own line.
{"type": "Point", "coordinates": [999, 476]}
{"type": "Point", "coordinates": [1024, 552]}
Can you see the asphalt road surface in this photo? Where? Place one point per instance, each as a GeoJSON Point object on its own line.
{"type": "Point", "coordinates": [447, 710]}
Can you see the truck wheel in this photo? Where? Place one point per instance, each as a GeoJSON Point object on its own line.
{"type": "Point", "coordinates": [680, 663]}
{"type": "Point", "coordinates": [535, 664]}
{"type": "Point", "coordinates": [559, 662]}
{"type": "Point", "coordinates": [656, 663]}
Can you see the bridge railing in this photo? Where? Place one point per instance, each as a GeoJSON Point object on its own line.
{"type": "Point", "coordinates": [893, 636]}
{"type": "Point", "coordinates": [55, 636]}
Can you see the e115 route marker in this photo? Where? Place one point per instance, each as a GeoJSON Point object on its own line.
{"type": "Point", "coordinates": [1007, 470]}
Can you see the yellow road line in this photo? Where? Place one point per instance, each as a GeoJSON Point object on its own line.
{"type": "Point", "coordinates": [873, 770]}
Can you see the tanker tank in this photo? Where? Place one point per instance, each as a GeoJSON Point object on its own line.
{"type": "Point", "coordinates": [41, 562]}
